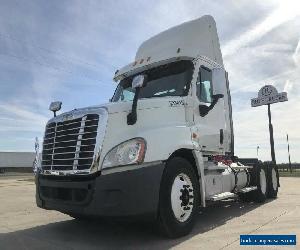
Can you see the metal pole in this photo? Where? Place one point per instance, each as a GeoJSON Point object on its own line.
{"type": "Point", "coordinates": [271, 135]}
{"type": "Point", "coordinates": [257, 148]}
{"type": "Point", "coordinates": [290, 165]}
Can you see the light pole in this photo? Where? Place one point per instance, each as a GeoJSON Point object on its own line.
{"type": "Point", "coordinates": [287, 139]}
{"type": "Point", "coordinates": [271, 135]}
{"type": "Point", "coordinates": [257, 148]}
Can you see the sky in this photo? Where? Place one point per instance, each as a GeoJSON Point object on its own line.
{"type": "Point", "coordinates": [69, 50]}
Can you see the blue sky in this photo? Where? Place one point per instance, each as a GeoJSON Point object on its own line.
{"type": "Point", "coordinates": [69, 51]}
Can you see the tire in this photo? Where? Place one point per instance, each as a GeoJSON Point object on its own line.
{"type": "Point", "coordinates": [260, 194]}
{"type": "Point", "coordinates": [273, 181]}
{"type": "Point", "coordinates": [179, 198]}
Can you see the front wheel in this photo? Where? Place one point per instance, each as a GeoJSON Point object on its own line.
{"type": "Point", "coordinates": [179, 198]}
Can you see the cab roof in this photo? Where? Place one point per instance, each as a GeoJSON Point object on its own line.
{"type": "Point", "coordinates": [186, 41]}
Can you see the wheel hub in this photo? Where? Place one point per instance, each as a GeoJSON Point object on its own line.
{"type": "Point", "coordinates": [182, 197]}
{"type": "Point", "coordinates": [263, 181]}
{"type": "Point", "coordinates": [185, 197]}
{"type": "Point", "coordinates": [274, 179]}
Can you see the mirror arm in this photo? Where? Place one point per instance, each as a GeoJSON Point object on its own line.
{"type": "Point", "coordinates": [214, 102]}
{"type": "Point", "coordinates": [132, 116]}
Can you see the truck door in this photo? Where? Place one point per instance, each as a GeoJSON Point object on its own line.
{"type": "Point", "coordinates": [211, 127]}
{"type": "Point", "coordinates": [221, 86]}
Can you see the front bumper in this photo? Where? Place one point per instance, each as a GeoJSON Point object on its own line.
{"type": "Point", "coordinates": [125, 193]}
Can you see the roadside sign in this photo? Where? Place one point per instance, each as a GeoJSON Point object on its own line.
{"type": "Point", "coordinates": [268, 95]}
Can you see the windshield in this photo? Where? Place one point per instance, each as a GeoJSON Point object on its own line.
{"type": "Point", "coordinates": [172, 79]}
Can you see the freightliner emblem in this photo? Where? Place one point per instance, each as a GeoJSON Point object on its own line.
{"type": "Point", "coordinates": [176, 103]}
{"type": "Point", "coordinates": [68, 117]}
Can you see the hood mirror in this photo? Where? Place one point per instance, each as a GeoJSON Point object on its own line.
{"type": "Point", "coordinates": [139, 81]}
{"type": "Point", "coordinates": [55, 106]}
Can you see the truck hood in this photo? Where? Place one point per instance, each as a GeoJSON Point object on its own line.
{"type": "Point", "coordinates": [145, 103]}
{"type": "Point", "coordinates": [117, 107]}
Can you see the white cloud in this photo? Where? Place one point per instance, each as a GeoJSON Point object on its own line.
{"type": "Point", "coordinates": [285, 11]}
{"type": "Point", "coordinates": [296, 55]}
{"type": "Point", "coordinates": [19, 112]}
{"type": "Point", "coordinates": [288, 86]}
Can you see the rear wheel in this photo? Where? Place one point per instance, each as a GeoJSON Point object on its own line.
{"type": "Point", "coordinates": [273, 182]}
{"type": "Point", "coordinates": [179, 198]}
{"type": "Point", "coordinates": [260, 194]}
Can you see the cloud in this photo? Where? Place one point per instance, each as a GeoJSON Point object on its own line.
{"type": "Point", "coordinates": [296, 55]}
{"type": "Point", "coordinates": [284, 12]}
{"type": "Point", "coordinates": [288, 86]}
{"type": "Point", "coordinates": [16, 119]}
{"type": "Point", "coordinates": [19, 112]}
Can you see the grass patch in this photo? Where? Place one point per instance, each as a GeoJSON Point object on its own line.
{"type": "Point", "coordinates": [289, 174]}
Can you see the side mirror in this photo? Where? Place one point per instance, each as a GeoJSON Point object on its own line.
{"type": "Point", "coordinates": [55, 106]}
{"type": "Point", "coordinates": [203, 109]}
{"type": "Point", "coordinates": [139, 81]}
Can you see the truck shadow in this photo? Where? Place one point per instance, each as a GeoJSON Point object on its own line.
{"type": "Point", "coordinates": [72, 234]}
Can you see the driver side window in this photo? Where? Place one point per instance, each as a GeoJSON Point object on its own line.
{"type": "Point", "coordinates": [127, 95]}
{"type": "Point", "coordinates": [204, 85]}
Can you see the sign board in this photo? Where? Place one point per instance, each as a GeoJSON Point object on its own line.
{"type": "Point", "coordinates": [268, 95]}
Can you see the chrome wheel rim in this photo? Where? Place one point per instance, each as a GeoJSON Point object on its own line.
{"type": "Point", "coordinates": [182, 197]}
{"type": "Point", "coordinates": [274, 179]}
{"type": "Point", "coordinates": [263, 181]}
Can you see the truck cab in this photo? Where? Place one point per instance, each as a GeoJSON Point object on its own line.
{"type": "Point", "coordinates": [161, 148]}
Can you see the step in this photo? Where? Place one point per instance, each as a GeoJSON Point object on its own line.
{"type": "Point", "coordinates": [239, 166]}
{"type": "Point", "coordinates": [222, 196]}
{"type": "Point", "coordinates": [247, 189]}
{"type": "Point", "coordinates": [216, 167]}
{"type": "Point", "coordinates": [213, 166]}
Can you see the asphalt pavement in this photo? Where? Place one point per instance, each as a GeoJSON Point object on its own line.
{"type": "Point", "coordinates": [25, 226]}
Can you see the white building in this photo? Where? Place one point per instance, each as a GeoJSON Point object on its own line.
{"type": "Point", "coordinates": [16, 159]}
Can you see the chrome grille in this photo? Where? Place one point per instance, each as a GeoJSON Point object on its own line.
{"type": "Point", "coordinates": [69, 145]}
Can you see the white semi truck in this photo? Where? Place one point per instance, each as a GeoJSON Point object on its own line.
{"type": "Point", "coordinates": [161, 148]}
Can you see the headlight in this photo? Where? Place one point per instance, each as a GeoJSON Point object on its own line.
{"type": "Point", "coordinates": [128, 152]}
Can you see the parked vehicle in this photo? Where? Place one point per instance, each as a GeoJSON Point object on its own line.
{"type": "Point", "coordinates": [161, 148]}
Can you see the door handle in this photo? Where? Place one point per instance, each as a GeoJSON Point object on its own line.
{"type": "Point", "coordinates": [221, 136]}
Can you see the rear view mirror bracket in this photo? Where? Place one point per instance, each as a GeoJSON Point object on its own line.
{"type": "Point", "coordinates": [138, 82]}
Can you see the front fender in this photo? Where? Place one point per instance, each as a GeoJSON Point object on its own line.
{"type": "Point", "coordinates": [162, 142]}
